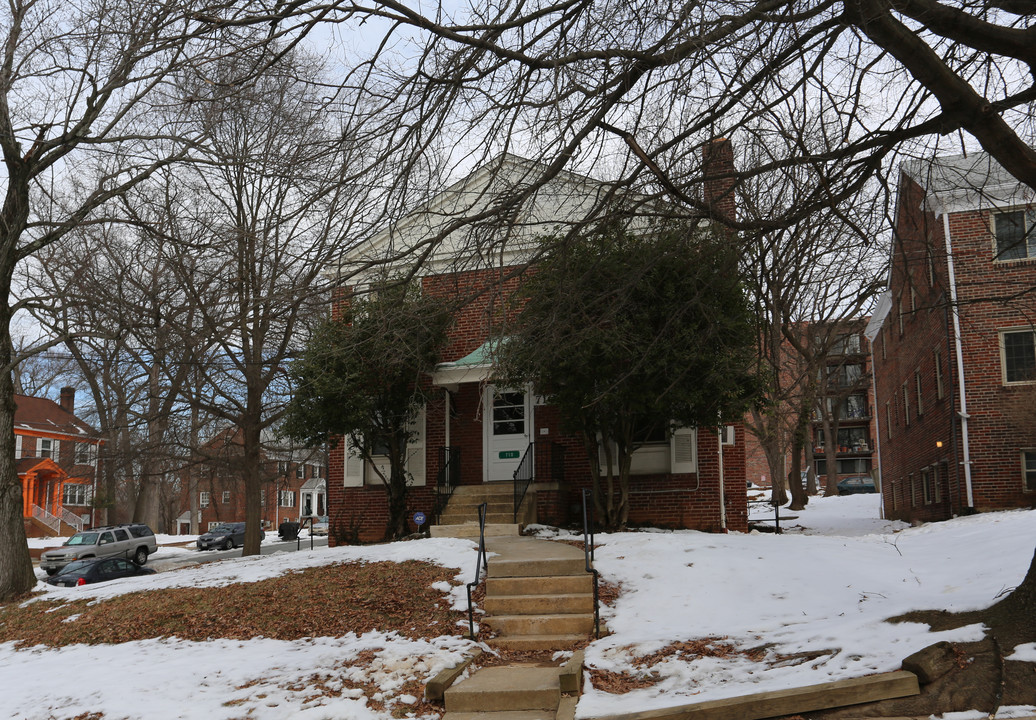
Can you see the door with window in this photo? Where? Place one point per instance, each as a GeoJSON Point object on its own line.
{"type": "Point", "coordinates": [507, 422]}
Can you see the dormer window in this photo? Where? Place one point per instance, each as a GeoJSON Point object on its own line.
{"type": "Point", "coordinates": [1015, 235]}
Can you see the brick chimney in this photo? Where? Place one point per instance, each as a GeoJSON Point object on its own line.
{"type": "Point", "coordinates": [718, 179]}
{"type": "Point", "coordinates": [68, 400]}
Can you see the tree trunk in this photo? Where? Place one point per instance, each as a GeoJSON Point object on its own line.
{"type": "Point", "coordinates": [17, 576]}
{"type": "Point", "coordinates": [798, 491]}
{"type": "Point", "coordinates": [251, 469]}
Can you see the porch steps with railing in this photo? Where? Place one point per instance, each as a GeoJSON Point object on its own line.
{"type": "Point", "coordinates": [538, 595]}
{"type": "Point", "coordinates": [458, 518]}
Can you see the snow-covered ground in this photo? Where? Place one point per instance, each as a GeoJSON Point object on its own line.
{"type": "Point", "coordinates": [816, 598]}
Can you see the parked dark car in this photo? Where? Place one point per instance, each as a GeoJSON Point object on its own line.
{"type": "Point", "coordinates": [94, 570]}
{"type": "Point", "coordinates": [855, 485]}
{"type": "Point", "coordinates": [225, 537]}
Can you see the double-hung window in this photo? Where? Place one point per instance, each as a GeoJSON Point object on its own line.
{"type": "Point", "coordinates": [1029, 470]}
{"type": "Point", "coordinates": [1018, 355]}
{"type": "Point", "coordinates": [286, 498]}
{"type": "Point", "coordinates": [1015, 234]}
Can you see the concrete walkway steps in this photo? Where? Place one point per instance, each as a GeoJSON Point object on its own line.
{"type": "Point", "coordinates": [460, 516]}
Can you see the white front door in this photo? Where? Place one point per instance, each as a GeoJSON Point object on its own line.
{"type": "Point", "coordinates": [507, 423]}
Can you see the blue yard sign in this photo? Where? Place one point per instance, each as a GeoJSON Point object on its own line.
{"type": "Point", "coordinates": [419, 519]}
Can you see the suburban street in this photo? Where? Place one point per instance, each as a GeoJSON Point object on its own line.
{"type": "Point", "coordinates": [163, 560]}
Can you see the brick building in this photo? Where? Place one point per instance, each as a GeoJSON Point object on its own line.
{"type": "Point", "coordinates": [294, 484]}
{"type": "Point", "coordinates": [473, 431]}
{"type": "Point", "coordinates": [57, 456]}
{"type": "Point", "coordinates": [953, 343]}
{"type": "Point", "coordinates": [846, 392]}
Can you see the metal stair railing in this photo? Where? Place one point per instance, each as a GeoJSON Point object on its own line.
{"type": "Point", "coordinates": [588, 553]}
{"type": "Point", "coordinates": [447, 480]}
{"type": "Point", "coordinates": [542, 458]}
{"type": "Point", "coordinates": [48, 519]}
{"type": "Point", "coordinates": [482, 560]}
{"type": "Point", "coordinates": [70, 518]}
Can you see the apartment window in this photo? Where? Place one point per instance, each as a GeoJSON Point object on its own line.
{"type": "Point", "coordinates": [300, 472]}
{"type": "Point", "coordinates": [926, 486]}
{"type": "Point", "coordinates": [938, 476]}
{"type": "Point", "coordinates": [913, 300]}
{"type": "Point", "coordinates": [17, 446]}
{"type": "Point", "coordinates": [282, 468]}
{"type": "Point", "coordinates": [1015, 235]}
{"type": "Point", "coordinates": [884, 344]}
{"type": "Point", "coordinates": [203, 499]}
{"type": "Point", "coordinates": [1018, 356]}
{"type": "Point", "coordinates": [215, 524]}
{"type": "Point", "coordinates": [852, 439]}
{"type": "Point", "coordinates": [286, 498]}
{"type": "Point", "coordinates": [901, 317]}
{"type": "Point", "coordinates": [906, 405]}
{"type": "Point", "coordinates": [46, 448]}
{"type": "Point", "coordinates": [940, 391]}
{"type": "Point", "coordinates": [226, 497]}
{"type": "Point", "coordinates": [917, 388]}
{"type": "Point", "coordinates": [930, 262]}
{"type": "Point", "coordinates": [75, 494]}
{"type": "Point", "coordinates": [1029, 469]}
{"type": "Point", "coordinates": [888, 419]}
{"type": "Point", "coordinates": [846, 345]}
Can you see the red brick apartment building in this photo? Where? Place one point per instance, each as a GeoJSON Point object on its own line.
{"type": "Point", "coordinates": [475, 432]}
{"type": "Point", "coordinates": [294, 484]}
{"type": "Point", "coordinates": [57, 455]}
{"type": "Point", "coordinates": [953, 343]}
{"type": "Point", "coordinates": [849, 395]}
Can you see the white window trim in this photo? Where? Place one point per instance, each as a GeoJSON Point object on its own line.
{"type": "Point", "coordinates": [204, 499]}
{"type": "Point", "coordinates": [81, 488]}
{"type": "Point", "coordinates": [283, 495]}
{"type": "Point", "coordinates": [1021, 457]}
{"type": "Point", "coordinates": [1030, 222]}
{"type": "Point", "coordinates": [1003, 354]}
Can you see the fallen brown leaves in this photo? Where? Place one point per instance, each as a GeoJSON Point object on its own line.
{"type": "Point", "coordinates": [645, 675]}
{"type": "Point", "coordinates": [325, 601]}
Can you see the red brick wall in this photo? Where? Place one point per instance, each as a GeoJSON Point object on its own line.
{"type": "Point", "coordinates": [667, 501]}
{"type": "Point", "coordinates": [997, 427]}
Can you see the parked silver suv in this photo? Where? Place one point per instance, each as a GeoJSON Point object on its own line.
{"type": "Point", "coordinates": [134, 541]}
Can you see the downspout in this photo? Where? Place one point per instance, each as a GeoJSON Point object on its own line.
{"type": "Point", "coordinates": [722, 489]}
{"type": "Point", "coordinates": [960, 361]}
{"type": "Point", "coordinates": [877, 436]}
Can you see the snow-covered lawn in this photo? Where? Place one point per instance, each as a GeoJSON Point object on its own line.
{"type": "Point", "coordinates": [813, 600]}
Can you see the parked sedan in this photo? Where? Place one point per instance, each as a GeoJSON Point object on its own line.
{"type": "Point", "coordinates": [857, 484]}
{"type": "Point", "coordinates": [225, 537]}
{"type": "Point", "coordinates": [94, 570]}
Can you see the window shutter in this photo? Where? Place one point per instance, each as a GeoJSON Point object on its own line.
{"type": "Point", "coordinates": [353, 465]}
{"type": "Point", "coordinates": [683, 450]}
{"type": "Point", "coordinates": [415, 459]}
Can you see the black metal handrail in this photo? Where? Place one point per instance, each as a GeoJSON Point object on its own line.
{"type": "Point", "coordinates": [542, 459]}
{"type": "Point", "coordinates": [482, 560]}
{"type": "Point", "coordinates": [588, 553]}
{"type": "Point", "coordinates": [447, 480]}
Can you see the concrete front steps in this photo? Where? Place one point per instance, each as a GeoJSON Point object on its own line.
{"type": "Point", "coordinates": [460, 518]}
{"type": "Point", "coordinates": [538, 595]}
{"type": "Point", "coordinates": [516, 692]}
